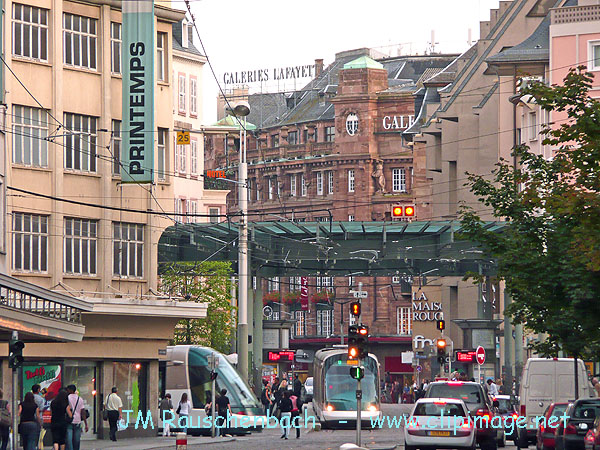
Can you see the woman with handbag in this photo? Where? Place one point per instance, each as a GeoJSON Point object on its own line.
{"type": "Point", "coordinates": [183, 411]}
{"type": "Point", "coordinates": [62, 416]}
{"type": "Point", "coordinates": [30, 420]}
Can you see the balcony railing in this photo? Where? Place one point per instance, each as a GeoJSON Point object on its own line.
{"type": "Point", "coordinates": [40, 306]}
{"type": "Point", "coordinates": [574, 14]}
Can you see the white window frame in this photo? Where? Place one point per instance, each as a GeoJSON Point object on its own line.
{"type": "Point", "coordinates": [161, 72]}
{"type": "Point", "coordinates": [193, 96]}
{"type": "Point", "coordinates": [532, 124]}
{"type": "Point", "coordinates": [350, 217]}
{"type": "Point", "coordinates": [30, 242]}
{"type": "Point", "coordinates": [303, 189]}
{"type": "Point", "coordinates": [351, 181]}
{"type": "Point", "coordinates": [80, 246]}
{"type": "Point", "coordinates": [396, 279]}
{"type": "Point", "coordinates": [116, 146]}
{"type": "Point", "coordinates": [270, 184]}
{"type": "Point", "coordinates": [300, 317]}
{"type": "Point", "coordinates": [215, 214]}
{"type": "Point", "coordinates": [193, 209]}
{"type": "Point", "coordinates": [194, 157]}
{"type": "Point", "coordinates": [593, 63]}
{"type": "Point", "coordinates": [78, 44]}
{"type": "Point", "coordinates": [122, 250]}
{"type": "Point", "coordinates": [182, 95]}
{"type": "Point", "coordinates": [324, 322]}
{"type": "Point", "coordinates": [37, 31]}
{"type": "Point", "coordinates": [399, 179]}
{"type": "Point", "coordinates": [181, 159]}
{"type": "Point", "coordinates": [330, 182]}
{"type": "Point", "coordinates": [116, 46]}
{"type": "Point", "coordinates": [404, 320]}
{"type": "Point", "coordinates": [82, 129]}
{"type": "Point", "coordinates": [161, 151]}
{"type": "Point", "coordinates": [30, 131]}
{"type": "Point", "coordinates": [293, 185]}
{"type": "Point", "coordinates": [319, 183]}
{"type": "Point", "coordinates": [329, 134]}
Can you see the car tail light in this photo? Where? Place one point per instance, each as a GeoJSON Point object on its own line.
{"type": "Point", "coordinates": [570, 429]}
{"type": "Point", "coordinates": [541, 428]}
{"type": "Point", "coordinates": [455, 383]}
{"type": "Point", "coordinates": [439, 403]}
{"type": "Point", "coordinates": [515, 416]}
{"type": "Point", "coordinates": [484, 413]}
{"type": "Point", "coordinates": [466, 424]}
{"type": "Point", "coordinates": [523, 410]}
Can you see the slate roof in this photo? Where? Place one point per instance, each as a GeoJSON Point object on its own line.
{"type": "Point", "coordinates": [177, 40]}
{"type": "Point", "coordinates": [312, 102]}
{"type": "Point", "coordinates": [536, 48]}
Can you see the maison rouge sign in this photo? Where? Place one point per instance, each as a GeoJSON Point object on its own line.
{"type": "Point", "coordinates": [424, 310]}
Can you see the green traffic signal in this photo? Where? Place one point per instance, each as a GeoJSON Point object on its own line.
{"type": "Point", "coordinates": [356, 372]}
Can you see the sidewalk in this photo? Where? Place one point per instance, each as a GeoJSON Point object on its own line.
{"type": "Point", "coordinates": [158, 442]}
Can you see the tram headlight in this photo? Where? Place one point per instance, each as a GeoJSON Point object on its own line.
{"type": "Point", "coordinates": [329, 408]}
{"type": "Point", "coordinates": [372, 408]}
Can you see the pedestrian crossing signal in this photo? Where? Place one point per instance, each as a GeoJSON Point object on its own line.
{"type": "Point", "coordinates": [355, 309]}
{"type": "Point", "coordinates": [358, 372]}
{"type": "Point", "coordinates": [441, 325]}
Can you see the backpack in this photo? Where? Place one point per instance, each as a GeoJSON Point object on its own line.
{"type": "Point", "coordinates": [5, 416]}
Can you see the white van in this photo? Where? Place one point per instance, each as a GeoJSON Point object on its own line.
{"type": "Point", "coordinates": [545, 381]}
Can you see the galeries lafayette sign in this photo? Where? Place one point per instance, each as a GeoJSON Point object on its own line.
{"type": "Point", "coordinates": [263, 75]}
{"type": "Point", "coordinates": [424, 310]}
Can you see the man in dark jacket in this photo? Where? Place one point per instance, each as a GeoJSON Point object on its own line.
{"type": "Point", "coordinates": [297, 386]}
{"type": "Point", "coordinates": [276, 393]}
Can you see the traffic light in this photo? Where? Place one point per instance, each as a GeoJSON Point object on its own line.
{"type": "Point", "coordinates": [397, 211]}
{"type": "Point", "coordinates": [357, 372]}
{"type": "Point", "coordinates": [353, 351]}
{"type": "Point", "coordinates": [363, 341]}
{"type": "Point", "coordinates": [355, 309]}
{"type": "Point", "coordinates": [441, 350]}
{"type": "Point", "coordinates": [409, 211]}
{"type": "Point", "coordinates": [213, 375]}
{"type": "Point", "coordinates": [15, 353]}
{"type": "Point", "coordinates": [441, 325]}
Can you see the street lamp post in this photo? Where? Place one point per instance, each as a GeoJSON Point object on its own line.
{"type": "Point", "coordinates": [242, 109]}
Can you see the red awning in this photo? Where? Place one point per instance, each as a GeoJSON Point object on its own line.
{"type": "Point", "coordinates": [394, 364]}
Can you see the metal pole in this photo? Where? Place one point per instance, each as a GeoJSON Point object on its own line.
{"type": "Point", "coordinates": [479, 379]}
{"type": "Point", "coordinates": [212, 407]}
{"type": "Point", "coordinates": [15, 440]}
{"type": "Point", "coordinates": [342, 323]}
{"type": "Point", "coordinates": [508, 344]}
{"type": "Point", "coordinates": [576, 377]}
{"type": "Point", "coordinates": [243, 262]}
{"type": "Point", "coordinates": [234, 304]}
{"type": "Point", "coordinates": [358, 411]}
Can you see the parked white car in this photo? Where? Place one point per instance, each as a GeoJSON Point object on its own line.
{"type": "Point", "coordinates": [439, 423]}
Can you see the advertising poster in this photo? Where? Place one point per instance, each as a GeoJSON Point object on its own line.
{"type": "Point", "coordinates": [49, 377]}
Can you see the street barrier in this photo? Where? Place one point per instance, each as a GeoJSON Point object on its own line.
{"type": "Point", "coordinates": [181, 441]}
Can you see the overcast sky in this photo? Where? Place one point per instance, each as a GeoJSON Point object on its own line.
{"type": "Point", "coordinates": [246, 35]}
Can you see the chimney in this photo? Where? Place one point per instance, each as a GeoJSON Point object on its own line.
{"type": "Point", "coordinates": [318, 67]}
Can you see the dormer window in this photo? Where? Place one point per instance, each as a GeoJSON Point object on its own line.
{"type": "Point", "coordinates": [184, 34]}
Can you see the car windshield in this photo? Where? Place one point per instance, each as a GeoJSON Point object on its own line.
{"type": "Point", "coordinates": [558, 410]}
{"type": "Point", "coordinates": [504, 405]}
{"type": "Point", "coordinates": [439, 409]}
{"type": "Point", "coordinates": [468, 393]}
{"type": "Point", "coordinates": [587, 410]}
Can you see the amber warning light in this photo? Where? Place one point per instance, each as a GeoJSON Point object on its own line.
{"type": "Point", "coordinates": [397, 211]}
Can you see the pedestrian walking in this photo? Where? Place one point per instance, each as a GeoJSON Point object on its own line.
{"type": "Point", "coordinates": [5, 421]}
{"type": "Point", "coordinates": [297, 386]}
{"type": "Point", "coordinates": [285, 406]}
{"type": "Point", "coordinates": [62, 416]}
{"type": "Point", "coordinates": [79, 416]}
{"type": "Point", "coordinates": [29, 422]}
{"type": "Point", "coordinates": [276, 394]}
{"type": "Point", "coordinates": [166, 405]}
{"type": "Point", "coordinates": [223, 407]}
{"type": "Point", "coordinates": [114, 410]}
{"type": "Point", "coordinates": [183, 411]}
{"type": "Point", "coordinates": [492, 388]}
{"type": "Point", "coordinates": [295, 416]}
{"type": "Point", "coordinates": [265, 397]}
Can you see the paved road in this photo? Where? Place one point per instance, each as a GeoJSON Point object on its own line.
{"type": "Point", "coordinates": [269, 439]}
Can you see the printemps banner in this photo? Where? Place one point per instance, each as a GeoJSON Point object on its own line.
{"type": "Point", "coordinates": [138, 91]}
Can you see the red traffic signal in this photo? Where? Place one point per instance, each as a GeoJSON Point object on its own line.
{"type": "Point", "coordinates": [397, 211]}
{"type": "Point", "coordinates": [409, 211]}
{"type": "Point", "coordinates": [403, 211]}
{"type": "Point", "coordinates": [363, 330]}
{"type": "Point", "coordinates": [355, 309]}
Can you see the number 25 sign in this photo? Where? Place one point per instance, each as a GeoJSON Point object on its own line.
{"type": "Point", "coordinates": [183, 138]}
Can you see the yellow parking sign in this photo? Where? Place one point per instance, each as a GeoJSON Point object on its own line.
{"type": "Point", "coordinates": [183, 138]}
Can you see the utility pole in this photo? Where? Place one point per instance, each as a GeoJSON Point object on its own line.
{"type": "Point", "coordinates": [242, 110]}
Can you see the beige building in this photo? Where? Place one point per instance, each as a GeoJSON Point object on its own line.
{"type": "Point", "coordinates": [189, 193]}
{"type": "Point", "coordinates": [72, 223]}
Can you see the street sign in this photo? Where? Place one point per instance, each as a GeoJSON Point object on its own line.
{"type": "Point", "coordinates": [480, 355]}
{"type": "Point", "coordinates": [267, 311]}
{"type": "Point", "coordinates": [183, 138]}
{"type": "Point", "coordinates": [359, 294]}
{"type": "Point", "coordinates": [419, 368]}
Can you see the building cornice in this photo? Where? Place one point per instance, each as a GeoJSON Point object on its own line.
{"type": "Point", "coordinates": [147, 308]}
{"type": "Point", "coordinates": [160, 11]}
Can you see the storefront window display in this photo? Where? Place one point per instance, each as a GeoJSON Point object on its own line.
{"type": "Point", "coordinates": [131, 381]}
{"type": "Point", "coordinates": [83, 376]}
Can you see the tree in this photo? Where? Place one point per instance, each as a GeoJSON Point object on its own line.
{"type": "Point", "coordinates": [549, 252]}
{"type": "Point", "coordinates": [204, 282]}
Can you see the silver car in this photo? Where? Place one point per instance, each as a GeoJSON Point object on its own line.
{"type": "Point", "coordinates": [306, 394]}
{"type": "Point", "coordinates": [439, 423]}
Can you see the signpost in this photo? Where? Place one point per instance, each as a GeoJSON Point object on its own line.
{"type": "Point", "coordinates": [480, 356]}
{"type": "Point", "coordinates": [359, 294]}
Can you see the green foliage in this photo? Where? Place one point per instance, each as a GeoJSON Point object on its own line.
{"type": "Point", "coordinates": [549, 253]}
{"type": "Point", "coordinates": [205, 282]}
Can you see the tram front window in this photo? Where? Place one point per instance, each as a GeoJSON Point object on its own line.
{"type": "Point", "coordinates": [340, 387]}
{"type": "Point", "coordinates": [241, 397]}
